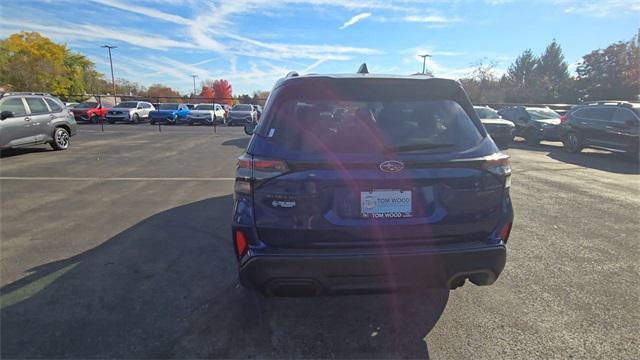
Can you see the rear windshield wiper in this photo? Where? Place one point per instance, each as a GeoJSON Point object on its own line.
{"type": "Point", "coordinates": [413, 147]}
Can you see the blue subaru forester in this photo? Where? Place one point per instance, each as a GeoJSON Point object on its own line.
{"type": "Point", "coordinates": [363, 182]}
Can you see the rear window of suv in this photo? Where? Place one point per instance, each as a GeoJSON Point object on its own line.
{"type": "Point", "coordinates": [354, 122]}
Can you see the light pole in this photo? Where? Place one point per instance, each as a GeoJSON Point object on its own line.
{"type": "Point", "coordinates": [424, 62]}
{"type": "Point", "coordinates": [113, 79]}
{"type": "Point", "coordinates": [194, 76]}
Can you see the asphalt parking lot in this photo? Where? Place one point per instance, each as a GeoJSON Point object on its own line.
{"type": "Point", "coordinates": [119, 247]}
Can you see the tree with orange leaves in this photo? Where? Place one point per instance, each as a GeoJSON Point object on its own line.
{"type": "Point", "coordinates": [223, 92]}
{"type": "Point", "coordinates": [207, 92]}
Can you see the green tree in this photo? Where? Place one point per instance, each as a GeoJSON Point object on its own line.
{"type": "Point", "coordinates": [612, 73]}
{"type": "Point", "coordinates": [521, 72]}
{"type": "Point", "coordinates": [520, 78]}
{"type": "Point", "coordinates": [551, 76]}
{"type": "Point", "coordinates": [31, 62]}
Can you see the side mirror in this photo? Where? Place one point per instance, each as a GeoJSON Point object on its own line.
{"type": "Point", "coordinates": [6, 114]}
{"type": "Point", "coordinates": [249, 128]}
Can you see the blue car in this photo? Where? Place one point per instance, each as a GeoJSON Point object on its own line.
{"type": "Point", "coordinates": [169, 113]}
{"type": "Point", "coordinates": [365, 183]}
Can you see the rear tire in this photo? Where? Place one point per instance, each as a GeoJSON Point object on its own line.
{"type": "Point", "coordinates": [135, 119]}
{"type": "Point", "coordinates": [61, 139]}
{"type": "Point", "coordinates": [572, 142]}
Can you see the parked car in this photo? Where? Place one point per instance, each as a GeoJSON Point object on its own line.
{"type": "Point", "coordinates": [501, 130]}
{"type": "Point", "coordinates": [534, 124]}
{"type": "Point", "coordinates": [612, 126]}
{"type": "Point", "coordinates": [207, 114]}
{"type": "Point", "coordinates": [241, 114]}
{"type": "Point", "coordinates": [403, 188]}
{"type": "Point", "coordinates": [35, 118]}
{"type": "Point", "coordinates": [169, 113]}
{"type": "Point", "coordinates": [129, 111]}
{"type": "Point", "coordinates": [91, 111]}
{"type": "Point", "coordinates": [191, 106]}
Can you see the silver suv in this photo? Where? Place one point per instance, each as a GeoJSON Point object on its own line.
{"type": "Point", "coordinates": [35, 118]}
{"type": "Point", "coordinates": [130, 111]}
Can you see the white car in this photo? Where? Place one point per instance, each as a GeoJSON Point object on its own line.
{"type": "Point", "coordinates": [129, 111]}
{"type": "Point", "coordinates": [207, 114]}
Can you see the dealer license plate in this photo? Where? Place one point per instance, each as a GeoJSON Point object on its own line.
{"type": "Point", "coordinates": [385, 204]}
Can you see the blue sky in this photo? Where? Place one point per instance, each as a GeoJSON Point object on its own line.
{"type": "Point", "coordinates": [252, 43]}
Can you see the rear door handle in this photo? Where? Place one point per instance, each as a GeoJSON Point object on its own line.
{"type": "Point", "coordinates": [27, 119]}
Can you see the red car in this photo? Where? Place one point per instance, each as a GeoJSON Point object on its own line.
{"type": "Point", "coordinates": [90, 111]}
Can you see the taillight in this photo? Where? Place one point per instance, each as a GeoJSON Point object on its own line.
{"type": "Point", "coordinates": [243, 175]}
{"type": "Point", "coordinates": [240, 242]}
{"type": "Point", "coordinates": [505, 231]}
{"type": "Point", "coordinates": [252, 168]}
{"type": "Point", "coordinates": [563, 118]}
{"type": "Point", "coordinates": [499, 165]}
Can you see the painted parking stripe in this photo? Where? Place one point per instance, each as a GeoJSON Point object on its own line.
{"type": "Point", "coordinates": [114, 178]}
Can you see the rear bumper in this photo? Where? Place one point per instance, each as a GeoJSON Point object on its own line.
{"type": "Point", "coordinates": [200, 120]}
{"type": "Point", "coordinates": [316, 274]}
{"type": "Point", "coordinates": [233, 121]}
{"type": "Point", "coordinates": [162, 120]}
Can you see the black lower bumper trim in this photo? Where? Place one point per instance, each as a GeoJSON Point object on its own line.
{"type": "Point", "coordinates": [315, 275]}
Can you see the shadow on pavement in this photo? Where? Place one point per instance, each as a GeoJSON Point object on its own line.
{"type": "Point", "coordinates": [5, 153]}
{"type": "Point", "coordinates": [603, 161]}
{"type": "Point", "coordinates": [167, 287]}
{"type": "Point", "coordinates": [239, 142]}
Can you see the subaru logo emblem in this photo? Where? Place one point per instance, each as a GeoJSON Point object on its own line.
{"type": "Point", "coordinates": [391, 166]}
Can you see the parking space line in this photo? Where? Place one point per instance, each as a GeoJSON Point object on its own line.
{"type": "Point", "coordinates": [49, 178]}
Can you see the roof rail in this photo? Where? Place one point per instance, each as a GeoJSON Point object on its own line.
{"type": "Point", "coordinates": [24, 93]}
{"type": "Point", "coordinates": [292, 74]}
{"type": "Point", "coordinates": [607, 102]}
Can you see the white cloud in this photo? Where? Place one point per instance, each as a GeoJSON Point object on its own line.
{"type": "Point", "coordinates": [354, 20]}
{"type": "Point", "coordinates": [86, 32]}
{"type": "Point", "coordinates": [149, 12]}
{"type": "Point", "coordinates": [429, 19]}
{"type": "Point", "coordinates": [314, 65]}
{"type": "Point", "coordinates": [597, 8]}
{"type": "Point", "coordinates": [215, 28]}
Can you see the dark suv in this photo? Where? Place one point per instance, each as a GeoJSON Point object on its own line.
{"type": "Point", "coordinates": [401, 187]}
{"type": "Point", "coordinates": [534, 124]}
{"type": "Point", "coordinates": [613, 126]}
